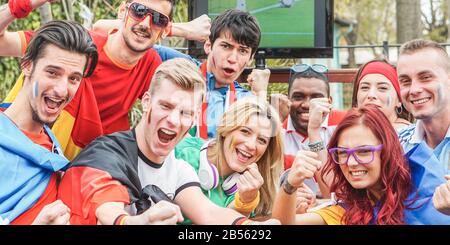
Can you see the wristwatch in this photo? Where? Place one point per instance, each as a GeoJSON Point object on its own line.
{"type": "Point", "coordinates": [288, 188]}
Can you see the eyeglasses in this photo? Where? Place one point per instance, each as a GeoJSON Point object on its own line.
{"type": "Point", "coordinates": [139, 12]}
{"type": "Point", "coordinates": [362, 154]}
{"type": "Point", "coordinates": [300, 68]}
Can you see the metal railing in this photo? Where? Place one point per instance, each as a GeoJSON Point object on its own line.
{"type": "Point", "coordinates": [281, 75]}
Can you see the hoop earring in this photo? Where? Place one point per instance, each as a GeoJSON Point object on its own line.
{"type": "Point", "coordinates": [399, 111]}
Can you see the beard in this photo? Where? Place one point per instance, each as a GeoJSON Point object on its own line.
{"type": "Point", "coordinates": [38, 119]}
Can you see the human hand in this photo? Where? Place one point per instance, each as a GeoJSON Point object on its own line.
{"type": "Point", "coordinates": [258, 80]}
{"type": "Point", "coordinates": [162, 213]}
{"type": "Point", "coordinates": [305, 165]}
{"type": "Point", "coordinates": [319, 108]}
{"type": "Point", "coordinates": [197, 29]}
{"type": "Point", "coordinates": [249, 183]}
{"type": "Point", "coordinates": [282, 104]}
{"type": "Point", "coordinates": [441, 197]}
{"type": "Point", "coordinates": [55, 213]}
{"type": "Point", "coordinates": [305, 199]}
{"type": "Point", "coordinates": [38, 3]}
{"type": "Point", "coordinates": [266, 222]}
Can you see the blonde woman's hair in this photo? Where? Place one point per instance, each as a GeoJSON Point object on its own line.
{"type": "Point", "coordinates": [270, 164]}
{"type": "Point", "coordinates": [182, 72]}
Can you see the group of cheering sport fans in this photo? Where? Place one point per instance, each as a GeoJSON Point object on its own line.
{"type": "Point", "coordinates": [207, 150]}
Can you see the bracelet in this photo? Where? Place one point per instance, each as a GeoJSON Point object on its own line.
{"type": "Point", "coordinates": [245, 207]}
{"type": "Point", "coordinates": [20, 8]}
{"type": "Point", "coordinates": [288, 188]}
{"type": "Point", "coordinates": [120, 220]}
{"type": "Point", "coordinates": [241, 221]}
{"type": "Point", "coordinates": [316, 146]}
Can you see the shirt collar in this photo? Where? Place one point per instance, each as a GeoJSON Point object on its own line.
{"type": "Point", "coordinates": [211, 81]}
{"type": "Point", "coordinates": [419, 133]}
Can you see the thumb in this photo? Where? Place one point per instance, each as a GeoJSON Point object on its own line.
{"type": "Point", "coordinates": [302, 208]}
{"type": "Point", "coordinates": [447, 177]}
{"type": "Point", "coordinates": [253, 165]}
{"type": "Point", "coordinates": [180, 217]}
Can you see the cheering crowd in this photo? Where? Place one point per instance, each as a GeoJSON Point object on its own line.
{"type": "Point", "coordinates": [207, 150]}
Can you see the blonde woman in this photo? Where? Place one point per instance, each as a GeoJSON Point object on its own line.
{"type": "Point", "coordinates": [240, 168]}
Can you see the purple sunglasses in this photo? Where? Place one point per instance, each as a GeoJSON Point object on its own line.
{"type": "Point", "coordinates": [362, 154]}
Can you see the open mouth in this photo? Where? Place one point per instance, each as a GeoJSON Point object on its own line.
{"type": "Point", "coordinates": [358, 173]}
{"type": "Point", "coordinates": [420, 101]}
{"type": "Point", "coordinates": [304, 116]}
{"type": "Point", "coordinates": [228, 71]}
{"type": "Point", "coordinates": [53, 104]}
{"type": "Point", "coordinates": [165, 135]}
{"type": "Point", "coordinates": [243, 156]}
{"type": "Point", "coordinates": [141, 34]}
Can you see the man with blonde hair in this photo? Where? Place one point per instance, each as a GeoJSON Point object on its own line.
{"type": "Point", "coordinates": [424, 75]}
{"type": "Point", "coordinates": [111, 180]}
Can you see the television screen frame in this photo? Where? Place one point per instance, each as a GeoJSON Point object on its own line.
{"type": "Point", "coordinates": [323, 29]}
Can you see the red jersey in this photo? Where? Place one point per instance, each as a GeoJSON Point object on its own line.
{"type": "Point", "coordinates": [49, 194]}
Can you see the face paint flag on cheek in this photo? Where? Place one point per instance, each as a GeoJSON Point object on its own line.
{"type": "Point", "coordinates": [128, 21]}
{"type": "Point", "coordinates": [440, 92]}
{"type": "Point", "coordinates": [35, 89]}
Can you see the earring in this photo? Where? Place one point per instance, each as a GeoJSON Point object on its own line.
{"type": "Point", "coordinates": [399, 111]}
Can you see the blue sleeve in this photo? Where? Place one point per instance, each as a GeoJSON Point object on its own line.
{"type": "Point", "coordinates": [167, 53]}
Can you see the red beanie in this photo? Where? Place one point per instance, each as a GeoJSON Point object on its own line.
{"type": "Point", "coordinates": [379, 67]}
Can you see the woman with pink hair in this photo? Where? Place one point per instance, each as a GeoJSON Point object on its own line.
{"type": "Point", "coordinates": [371, 177]}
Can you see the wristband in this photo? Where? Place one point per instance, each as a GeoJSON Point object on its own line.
{"type": "Point", "coordinates": [245, 207]}
{"type": "Point", "coordinates": [288, 188]}
{"type": "Point", "coordinates": [316, 146]}
{"type": "Point", "coordinates": [241, 221]}
{"type": "Point", "coordinates": [120, 220]}
{"type": "Point", "coordinates": [20, 8]}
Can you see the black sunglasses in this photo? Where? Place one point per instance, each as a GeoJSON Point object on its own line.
{"type": "Point", "coordinates": [139, 12]}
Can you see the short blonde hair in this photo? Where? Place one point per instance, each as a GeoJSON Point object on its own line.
{"type": "Point", "coordinates": [415, 45]}
{"type": "Point", "coordinates": [270, 164]}
{"type": "Point", "coordinates": [183, 72]}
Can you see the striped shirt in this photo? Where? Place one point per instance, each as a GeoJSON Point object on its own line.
{"type": "Point", "coordinates": [415, 134]}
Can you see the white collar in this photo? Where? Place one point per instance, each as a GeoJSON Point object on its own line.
{"type": "Point", "coordinates": [419, 133]}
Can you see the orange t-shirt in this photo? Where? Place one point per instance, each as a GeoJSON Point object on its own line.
{"type": "Point", "coordinates": [49, 194]}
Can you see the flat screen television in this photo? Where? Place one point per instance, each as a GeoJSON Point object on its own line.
{"type": "Point", "coordinates": [290, 28]}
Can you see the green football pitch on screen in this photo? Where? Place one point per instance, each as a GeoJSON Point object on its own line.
{"type": "Point", "coordinates": [284, 23]}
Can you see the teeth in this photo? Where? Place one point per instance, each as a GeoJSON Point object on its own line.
{"type": "Point", "coordinates": [56, 101]}
{"type": "Point", "coordinates": [245, 154]}
{"type": "Point", "coordinates": [168, 132]}
{"type": "Point", "coordinates": [421, 101]}
{"type": "Point", "coordinates": [141, 34]}
{"type": "Point", "coordinates": [53, 103]}
{"type": "Point", "coordinates": [358, 173]}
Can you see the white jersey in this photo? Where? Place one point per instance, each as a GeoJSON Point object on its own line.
{"type": "Point", "coordinates": [173, 176]}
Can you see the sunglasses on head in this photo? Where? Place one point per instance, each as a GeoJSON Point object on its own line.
{"type": "Point", "coordinates": [139, 12]}
{"type": "Point", "coordinates": [300, 68]}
